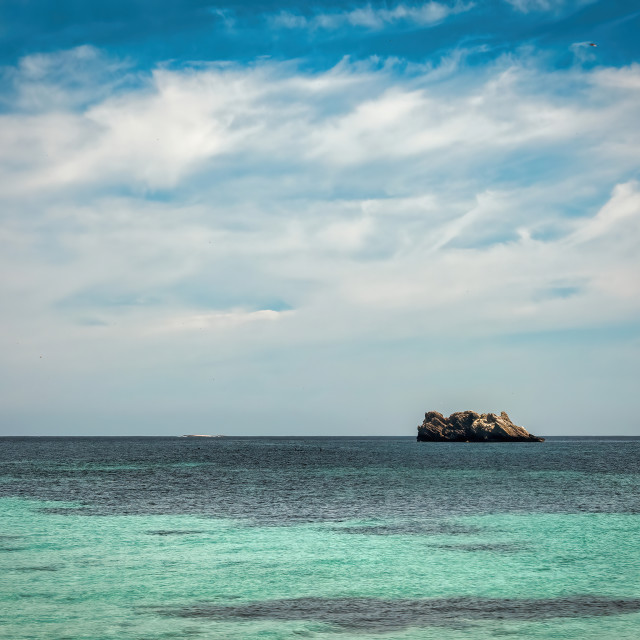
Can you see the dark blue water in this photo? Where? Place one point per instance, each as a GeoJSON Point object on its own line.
{"type": "Point", "coordinates": [283, 480]}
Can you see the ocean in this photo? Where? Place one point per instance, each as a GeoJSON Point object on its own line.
{"type": "Point", "coordinates": [325, 538]}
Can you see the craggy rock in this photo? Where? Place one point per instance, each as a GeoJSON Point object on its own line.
{"type": "Point", "coordinates": [469, 426]}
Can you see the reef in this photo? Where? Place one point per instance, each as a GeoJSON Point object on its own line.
{"type": "Point", "coordinates": [469, 426]}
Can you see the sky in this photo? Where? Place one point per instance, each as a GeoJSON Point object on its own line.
{"type": "Point", "coordinates": [286, 218]}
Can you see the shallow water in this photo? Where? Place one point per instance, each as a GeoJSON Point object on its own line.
{"type": "Point", "coordinates": [151, 538]}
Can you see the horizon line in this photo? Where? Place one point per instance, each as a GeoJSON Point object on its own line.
{"type": "Point", "coordinates": [223, 436]}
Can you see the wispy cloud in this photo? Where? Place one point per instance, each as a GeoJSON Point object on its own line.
{"type": "Point", "coordinates": [369, 17]}
{"type": "Point", "coordinates": [528, 6]}
{"type": "Point", "coordinates": [62, 80]}
{"type": "Point", "coordinates": [230, 210]}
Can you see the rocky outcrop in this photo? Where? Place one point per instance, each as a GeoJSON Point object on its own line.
{"type": "Point", "coordinates": [469, 426]}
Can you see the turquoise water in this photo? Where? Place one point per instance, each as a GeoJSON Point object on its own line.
{"type": "Point", "coordinates": [90, 568]}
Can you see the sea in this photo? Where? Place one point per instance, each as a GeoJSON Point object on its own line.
{"type": "Point", "coordinates": [324, 538]}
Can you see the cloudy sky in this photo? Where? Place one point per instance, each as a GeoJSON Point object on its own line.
{"type": "Point", "coordinates": [280, 217]}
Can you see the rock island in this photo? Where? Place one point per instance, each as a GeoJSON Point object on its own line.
{"type": "Point", "coordinates": [469, 426]}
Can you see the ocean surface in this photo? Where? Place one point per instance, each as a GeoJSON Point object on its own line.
{"type": "Point", "coordinates": [326, 538]}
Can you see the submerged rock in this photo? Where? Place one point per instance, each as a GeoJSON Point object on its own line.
{"type": "Point", "coordinates": [469, 426]}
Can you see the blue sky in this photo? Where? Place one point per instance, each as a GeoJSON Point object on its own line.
{"type": "Point", "coordinates": [286, 218]}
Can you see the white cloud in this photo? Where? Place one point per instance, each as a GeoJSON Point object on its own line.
{"type": "Point", "coordinates": [624, 206]}
{"type": "Point", "coordinates": [369, 17]}
{"type": "Point", "coordinates": [175, 125]}
{"type": "Point", "coordinates": [63, 79]}
{"type": "Point", "coordinates": [216, 213]}
{"type": "Point", "coordinates": [527, 6]}
{"type": "Point", "coordinates": [220, 320]}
